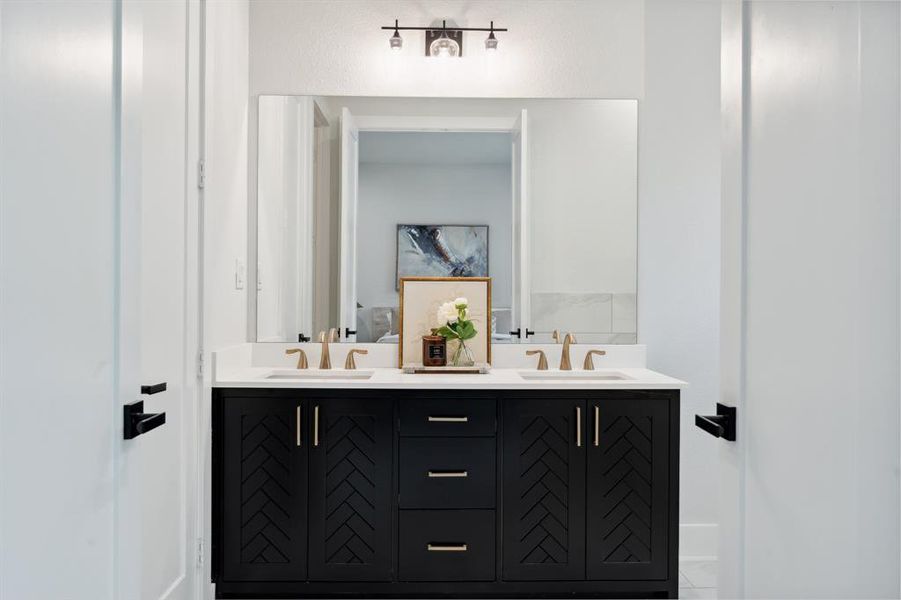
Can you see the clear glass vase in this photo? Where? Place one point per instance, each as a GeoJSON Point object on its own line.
{"type": "Point", "coordinates": [462, 356]}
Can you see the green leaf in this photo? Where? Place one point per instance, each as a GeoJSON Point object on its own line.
{"type": "Point", "coordinates": [467, 330]}
{"type": "Point", "coordinates": [447, 332]}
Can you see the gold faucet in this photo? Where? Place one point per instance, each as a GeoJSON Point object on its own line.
{"type": "Point", "coordinates": [542, 359]}
{"type": "Point", "coordinates": [325, 361]}
{"type": "Point", "coordinates": [556, 336]}
{"type": "Point", "coordinates": [565, 364]}
{"type": "Point", "coordinates": [349, 363]}
{"type": "Point", "coordinates": [301, 360]}
{"type": "Point", "coordinates": [333, 335]}
{"type": "Point", "coordinates": [589, 363]}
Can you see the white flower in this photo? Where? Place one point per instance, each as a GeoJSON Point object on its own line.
{"type": "Point", "coordinates": [461, 303]}
{"type": "Point", "coordinates": [447, 313]}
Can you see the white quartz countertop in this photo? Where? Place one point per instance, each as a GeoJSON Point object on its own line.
{"type": "Point", "coordinates": [266, 366]}
{"type": "Point", "coordinates": [496, 379]}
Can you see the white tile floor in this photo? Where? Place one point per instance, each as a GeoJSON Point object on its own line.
{"type": "Point", "coordinates": [697, 579]}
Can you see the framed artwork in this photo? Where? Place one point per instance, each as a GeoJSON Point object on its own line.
{"type": "Point", "coordinates": [441, 251]}
{"type": "Point", "coordinates": [420, 298]}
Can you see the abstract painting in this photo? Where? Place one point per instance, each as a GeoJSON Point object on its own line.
{"type": "Point", "coordinates": [442, 251]}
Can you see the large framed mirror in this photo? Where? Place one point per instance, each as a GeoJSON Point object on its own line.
{"type": "Point", "coordinates": [538, 194]}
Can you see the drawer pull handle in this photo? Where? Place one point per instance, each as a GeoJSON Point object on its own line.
{"type": "Point", "coordinates": [578, 427]}
{"type": "Point", "coordinates": [448, 419]}
{"type": "Point", "coordinates": [439, 474]}
{"type": "Point", "coordinates": [297, 419]}
{"type": "Point", "coordinates": [597, 426]}
{"type": "Point", "coordinates": [446, 547]}
{"type": "Point", "coordinates": [316, 425]}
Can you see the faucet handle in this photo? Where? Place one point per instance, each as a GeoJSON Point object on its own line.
{"type": "Point", "coordinates": [556, 336]}
{"type": "Point", "coordinates": [301, 360]}
{"type": "Point", "coordinates": [321, 337]}
{"type": "Point", "coordinates": [350, 363]}
{"type": "Point", "coordinates": [589, 363]}
{"type": "Point", "coordinates": [542, 359]}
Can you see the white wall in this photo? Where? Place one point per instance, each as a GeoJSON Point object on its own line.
{"type": "Point", "coordinates": [822, 357]}
{"type": "Point", "coordinates": [225, 147]}
{"type": "Point", "coordinates": [555, 49]}
{"type": "Point", "coordinates": [391, 194]}
{"type": "Point", "coordinates": [565, 49]}
{"type": "Point", "coordinates": [679, 236]}
{"type": "Point", "coordinates": [225, 194]}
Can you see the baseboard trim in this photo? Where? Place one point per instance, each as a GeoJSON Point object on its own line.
{"type": "Point", "coordinates": [698, 541]}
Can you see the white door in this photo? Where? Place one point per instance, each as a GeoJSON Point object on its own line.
{"type": "Point", "coordinates": [521, 301]}
{"type": "Point", "coordinates": [811, 351]}
{"type": "Point", "coordinates": [285, 194]}
{"type": "Point", "coordinates": [350, 166]}
{"type": "Point", "coordinates": [168, 546]}
{"type": "Point", "coordinates": [85, 512]}
{"type": "Point", "coordinates": [60, 412]}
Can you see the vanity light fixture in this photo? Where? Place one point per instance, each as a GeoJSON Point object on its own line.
{"type": "Point", "coordinates": [443, 41]}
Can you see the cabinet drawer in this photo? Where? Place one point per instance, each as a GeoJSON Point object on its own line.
{"type": "Point", "coordinates": [448, 417]}
{"type": "Point", "coordinates": [447, 545]}
{"type": "Point", "coordinates": [447, 473]}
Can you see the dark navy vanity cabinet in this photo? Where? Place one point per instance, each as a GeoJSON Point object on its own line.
{"type": "Point", "coordinates": [436, 493]}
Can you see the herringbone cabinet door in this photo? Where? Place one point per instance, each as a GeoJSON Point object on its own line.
{"type": "Point", "coordinates": [544, 490]}
{"type": "Point", "coordinates": [350, 490]}
{"type": "Point", "coordinates": [264, 481]}
{"type": "Point", "coordinates": [627, 488]}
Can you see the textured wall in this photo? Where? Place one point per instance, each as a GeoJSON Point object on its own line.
{"type": "Point", "coordinates": [554, 49]}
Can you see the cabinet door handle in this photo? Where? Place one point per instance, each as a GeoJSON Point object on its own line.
{"type": "Point", "coordinates": [597, 426]}
{"type": "Point", "coordinates": [297, 424]}
{"type": "Point", "coordinates": [578, 426]}
{"type": "Point", "coordinates": [439, 474]}
{"type": "Point", "coordinates": [316, 425]}
{"type": "Point", "coordinates": [448, 419]}
{"type": "Point", "coordinates": [447, 547]}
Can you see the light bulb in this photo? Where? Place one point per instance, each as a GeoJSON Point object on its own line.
{"type": "Point", "coordinates": [444, 46]}
{"type": "Point", "coordinates": [491, 42]}
{"type": "Point", "coordinates": [396, 41]}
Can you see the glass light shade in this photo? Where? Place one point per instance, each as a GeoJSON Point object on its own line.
{"type": "Point", "coordinates": [491, 42]}
{"type": "Point", "coordinates": [444, 46]}
{"type": "Point", "coordinates": [396, 41]}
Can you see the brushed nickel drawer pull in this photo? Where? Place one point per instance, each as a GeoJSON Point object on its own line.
{"type": "Point", "coordinates": [597, 426]}
{"type": "Point", "coordinates": [446, 547]}
{"type": "Point", "coordinates": [297, 417]}
{"type": "Point", "coordinates": [448, 419]}
{"type": "Point", "coordinates": [439, 474]}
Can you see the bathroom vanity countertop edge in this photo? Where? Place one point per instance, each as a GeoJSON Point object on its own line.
{"type": "Point", "coordinates": [498, 379]}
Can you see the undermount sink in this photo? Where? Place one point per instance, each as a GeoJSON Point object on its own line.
{"type": "Point", "coordinates": [573, 376]}
{"type": "Point", "coordinates": [320, 375]}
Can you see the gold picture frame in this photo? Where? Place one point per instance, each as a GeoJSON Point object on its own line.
{"type": "Point", "coordinates": [426, 294]}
